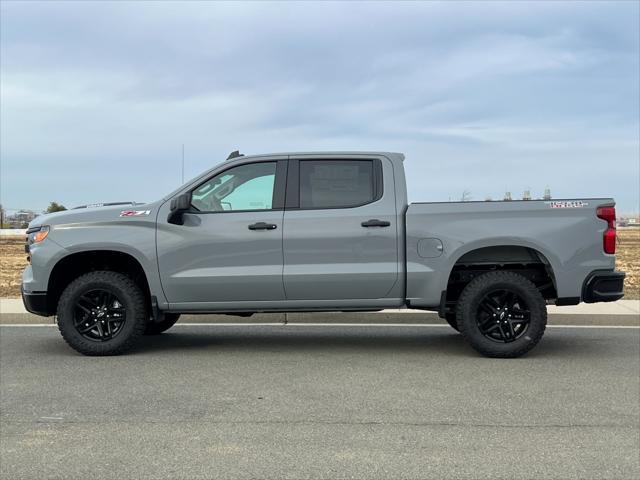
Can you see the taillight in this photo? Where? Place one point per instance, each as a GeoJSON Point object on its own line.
{"type": "Point", "coordinates": [609, 237]}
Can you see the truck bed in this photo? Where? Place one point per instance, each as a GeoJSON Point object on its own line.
{"type": "Point", "coordinates": [566, 234]}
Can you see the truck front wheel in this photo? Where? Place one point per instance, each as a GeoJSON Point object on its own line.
{"type": "Point", "coordinates": [501, 314]}
{"type": "Point", "coordinates": [102, 313]}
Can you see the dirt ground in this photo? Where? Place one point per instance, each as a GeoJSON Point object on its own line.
{"type": "Point", "coordinates": [13, 260]}
{"type": "Point", "coordinates": [628, 260]}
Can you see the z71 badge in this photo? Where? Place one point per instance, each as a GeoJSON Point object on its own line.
{"type": "Point", "coordinates": [568, 204]}
{"type": "Point", "coordinates": [134, 213]}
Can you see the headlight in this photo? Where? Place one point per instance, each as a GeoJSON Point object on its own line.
{"type": "Point", "coordinates": [38, 235]}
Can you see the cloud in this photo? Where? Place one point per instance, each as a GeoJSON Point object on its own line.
{"type": "Point", "coordinates": [99, 95]}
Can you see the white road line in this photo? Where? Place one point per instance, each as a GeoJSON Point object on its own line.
{"type": "Point", "coordinates": [363, 325]}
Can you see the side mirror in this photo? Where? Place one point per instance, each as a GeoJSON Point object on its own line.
{"type": "Point", "coordinates": [178, 205]}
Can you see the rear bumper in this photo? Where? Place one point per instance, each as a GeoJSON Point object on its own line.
{"type": "Point", "coordinates": [36, 303]}
{"type": "Point", "coordinates": [603, 286]}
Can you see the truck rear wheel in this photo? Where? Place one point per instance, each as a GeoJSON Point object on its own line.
{"type": "Point", "coordinates": [501, 314]}
{"type": "Point", "coordinates": [156, 328]}
{"type": "Point", "coordinates": [102, 313]}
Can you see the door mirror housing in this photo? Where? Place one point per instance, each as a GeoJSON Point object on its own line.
{"type": "Point", "coordinates": [180, 203]}
{"type": "Point", "coordinates": [178, 206]}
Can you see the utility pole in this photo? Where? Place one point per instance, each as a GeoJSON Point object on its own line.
{"type": "Point", "coordinates": [182, 163]}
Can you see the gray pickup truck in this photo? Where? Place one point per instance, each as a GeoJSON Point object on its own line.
{"type": "Point", "coordinates": [303, 232]}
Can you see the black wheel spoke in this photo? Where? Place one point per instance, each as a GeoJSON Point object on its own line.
{"type": "Point", "coordinates": [492, 302]}
{"type": "Point", "coordinates": [489, 328]}
{"type": "Point", "coordinates": [512, 333]}
{"type": "Point", "coordinates": [503, 335]}
{"type": "Point", "coordinates": [104, 298]}
{"type": "Point", "coordinates": [488, 308]}
{"type": "Point", "coordinates": [486, 323]}
{"type": "Point", "coordinates": [84, 317]}
{"type": "Point", "coordinates": [100, 330]}
{"type": "Point", "coordinates": [87, 300]}
{"type": "Point", "coordinates": [83, 308]}
{"type": "Point", "coordinates": [86, 328]}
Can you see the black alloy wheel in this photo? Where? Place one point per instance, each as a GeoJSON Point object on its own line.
{"type": "Point", "coordinates": [502, 316]}
{"type": "Point", "coordinates": [99, 315]}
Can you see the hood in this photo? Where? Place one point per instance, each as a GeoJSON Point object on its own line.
{"type": "Point", "coordinates": [90, 214]}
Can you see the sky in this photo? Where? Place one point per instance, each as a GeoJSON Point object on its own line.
{"type": "Point", "coordinates": [97, 99]}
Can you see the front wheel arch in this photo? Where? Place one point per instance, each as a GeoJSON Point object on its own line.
{"type": "Point", "coordinates": [77, 264]}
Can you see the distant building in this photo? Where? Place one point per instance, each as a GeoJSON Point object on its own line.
{"type": "Point", "coordinates": [629, 222]}
{"type": "Point", "coordinates": [20, 219]}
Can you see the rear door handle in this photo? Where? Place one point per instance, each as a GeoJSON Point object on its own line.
{"type": "Point", "coordinates": [375, 223]}
{"type": "Point", "coordinates": [263, 226]}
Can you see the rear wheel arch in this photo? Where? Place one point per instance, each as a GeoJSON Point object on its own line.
{"type": "Point", "coordinates": [76, 264]}
{"type": "Point", "coordinates": [527, 261]}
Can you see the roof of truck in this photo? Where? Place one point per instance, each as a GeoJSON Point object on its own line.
{"type": "Point", "coordinates": [397, 155]}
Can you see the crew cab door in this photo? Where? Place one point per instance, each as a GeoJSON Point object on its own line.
{"type": "Point", "coordinates": [340, 229]}
{"type": "Point", "coordinates": [228, 249]}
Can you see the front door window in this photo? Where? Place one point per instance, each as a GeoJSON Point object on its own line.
{"type": "Point", "coordinates": [242, 188]}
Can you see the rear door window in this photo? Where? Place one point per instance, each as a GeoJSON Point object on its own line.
{"type": "Point", "coordinates": [336, 183]}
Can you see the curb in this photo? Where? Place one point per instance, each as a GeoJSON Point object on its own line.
{"type": "Point", "coordinates": [383, 317]}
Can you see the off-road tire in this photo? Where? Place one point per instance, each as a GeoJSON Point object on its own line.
{"type": "Point", "coordinates": [129, 295]}
{"type": "Point", "coordinates": [156, 328]}
{"type": "Point", "coordinates": [469, 302]}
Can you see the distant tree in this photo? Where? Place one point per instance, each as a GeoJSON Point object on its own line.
{"type": "Point", "coordinates": [55, 207]}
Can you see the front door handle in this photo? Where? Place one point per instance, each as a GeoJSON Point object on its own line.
{"type": "Point", "coordinates": [375, 223]}
{"type": "Point", "coordinates": [263, 226]}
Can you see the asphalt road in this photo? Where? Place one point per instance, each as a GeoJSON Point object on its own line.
{"type": "Point", "coordinates": [320, 402]}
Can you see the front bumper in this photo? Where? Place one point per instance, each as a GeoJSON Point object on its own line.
{"type": "Point", "coordinates": [36, 303]}
{"type": "Point", "coordinates": [603, 286]}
